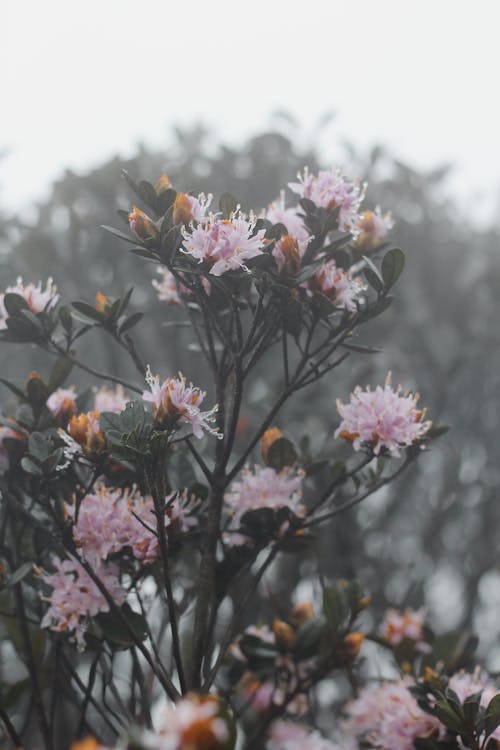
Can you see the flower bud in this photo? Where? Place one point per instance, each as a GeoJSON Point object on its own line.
{"type": "Point", "coordinates": [88, 743]}
{"type": "Point", "coordinates": [141, 225]}
{"type": "Point", "coordinates": [351, 644]}
{"type": "Point", "coordinates": [182, 213]}
{"type": "Point", "coordinates": [162, 184]}
{"type": "Point", "coordinates": [301, 613]}
{"type": "Point", "coordinates": [103, 304]}
{"type": "Point", "coordinates": [268, 438]}
{"type": "Point", "coordinates": [285, 635]}
{"type": "Point", "coordinates": [85, 430]}
{"type": "Point", "coordinates": [373, 227]}
{"type": "Point", "coordinates": [288, 255]}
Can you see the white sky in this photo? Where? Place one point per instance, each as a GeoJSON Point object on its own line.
{"type": "Point", "coordinates": [85, 80]}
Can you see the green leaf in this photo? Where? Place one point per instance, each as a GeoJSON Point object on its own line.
{"type": "Point", "coordinates": [281, 453]}
{"type": "Point", "coordinates": [37, 445]}
{"type": "Point", "coordinates": [309, 637]}
{"type": "Point", "coordinates": [123, 302]}
{"type": "Point", "coordinates": [492, 715]}
{"type": "Point", "coordinates": [119, 234]}
{"type": "Point", "coordinates": [66, 319]}
{"type": "Point", "coordinates": [17, 391]}
{"type": "Point", "coordinates": [115, 631]}
{"type": "Point", "coordinates": [90, 312]}
{"type": "Point", "coordinates": [370, 266]}
{"type": "Point", "coordinates": [60, 372]}
{"type": "Point", "coordinates": [448, 715]}
{"type": "Point", "coordinates": [14, 303]}
{"type": "Point", "coordinates": [373, 279]}
{"type": "Point", "coordinates": [130, 322]}
{"type": "Point", "coordinates": [227, 205]}
{"type": "Point", "coordinates": [334, 608]}
{"type": "Point", "coordinates": [144, 190]}
{"type": "Point", "coordinates": [392, 266]}
{"type": "Point", "coordinates": [18, 575]}
{"type": "Point", "coordinates": [30, 467]}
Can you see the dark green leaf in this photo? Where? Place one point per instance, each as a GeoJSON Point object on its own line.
{"type": "Point", "coordinates": [392, 266]}
{"type": "Point", "coordinates": [492, 715]}
{"type": "Point", "coordinates": [227, 205]}
{"type": "Point", "coordinates": [130, 322]}
{"type": "Point", "coordinates": [14, 303]}
{"type": "Point", "coordinates": [334, 608]}
{"type": "Point", "coordinates": [90, 312]}
{"type": "Point", "coordinates": [121, 235]}
{"type": "Point", "coordinates": [281, 453]}
{"type": "Point", "coordinates": [60, 372]}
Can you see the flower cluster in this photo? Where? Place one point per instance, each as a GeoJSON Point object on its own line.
{"type": "Point", "coordinates": [288, 735]}
{"type": "Point", "coordinates": [173, 402]}
{"type": "Point", "coordinates": [166, 286]}
{"type": "Point", "coordinates": [289, 217]}
{"type": "Point", "coordinates": [372, 229]}
{"type": "Point", "coordinates": [224, 245]}
{"type": "Point", "coordinates": [169, 289]}
{"type": "Point", "coordinates": [62, 404]}
{"type": "Point", "coordinates": [75, 597]}
{"type": "Point", "coordinates": [187, 208]}
{"type": "Point", "coordinates": [399, 625]}
{"type": "Point", "coordinates": [109, 399]}
{"type": "Point", "coordinates": [387, 716]}
{"type": "Point", "coordinates": [382, 419]}
{"type": "Point", "coordinates": [110, 520]}
{"type": "Point", "coordinates": [343, 289]}
{"type": "Point", "coordinates": [331, 190]}
{"type": "Point", "coordinates": [264, 487]}
{"type": "Point", "coordinates": [37, 299]}
{"type": "Point", "coordinates": [85, 430]}
{"type": "Point", "coordinates": [195, 722]}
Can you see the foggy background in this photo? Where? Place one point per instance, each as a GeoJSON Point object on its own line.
{"type": "Point", "coordinates": [239, 97]}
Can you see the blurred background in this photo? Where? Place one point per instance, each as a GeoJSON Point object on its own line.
{"type": "Point", "coordinates": [226, 96]}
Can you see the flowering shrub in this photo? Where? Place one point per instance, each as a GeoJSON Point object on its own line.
{"type": "Point", "coordinates": [137, 529]}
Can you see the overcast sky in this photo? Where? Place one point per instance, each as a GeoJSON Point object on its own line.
{"type": "Point", "coordinates": [86, 80]}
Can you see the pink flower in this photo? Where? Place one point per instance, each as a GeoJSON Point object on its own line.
{"type": "Point", "coordinates": [339, 286]}
{"type": "Point", "coordinates": [258, 694]}
{"type": "Point", "coordinates": [467, 683]}
{"type": "Point", "coordinates": [173, 402]}
{"type": "Point", "coordinates": [199, 206]}
{"type": "Point", "coordinates": [278, 214]}
{"type": "Point", "coordinates": [107, 399]}
{"type": "Point", "coordinates": [287, 735]}
{"type": "Point", "coordinates": [109, 520]}
{"type": "Point", "coordinates": [170, 290]}
{"type": "Point", "coordinates": [265, 487]}
{"type": "Point", "coordinates": [382, 418]}
{"type": "Point", "coordinates": [390, 716]}
{"type": "Point", "coordinates": [75, 597]}
{"type": "Point", "coordinates": [224, 245]}
{"type": "Point", "coordinates": [193, 722]}
{"type": "Point", "coordinates": [62, 404]}
{"type": "Point", "coordinates": [36, 298]}
{"type": "Point", "coordinates": [329, 190]}
{"type": "Point", "coordinates": [398, 625]}
{"type": "Point", "coordinates": [373, 227]}
{"type": "Point", "coordinates": [166, 287]}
